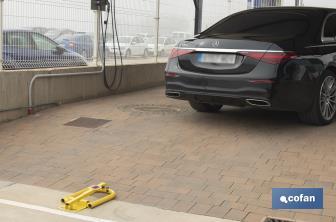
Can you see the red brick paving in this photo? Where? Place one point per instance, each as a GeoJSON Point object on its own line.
{"type": "Point", "coordinates": [222, 165]}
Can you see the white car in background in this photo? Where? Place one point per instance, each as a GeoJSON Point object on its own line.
{"type": "Point", "coordinates": [145, 36]}
{"type": "Point", "coordinates": [129, 46]}
{"type": "Point", "coordinates": [165, 45]}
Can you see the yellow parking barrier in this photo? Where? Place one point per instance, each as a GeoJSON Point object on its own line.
{"type": "Point", "coordinates": [76, 201]}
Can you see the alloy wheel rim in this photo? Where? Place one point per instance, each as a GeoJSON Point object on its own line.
{"type": "Point", "coordinates": [328, 98]}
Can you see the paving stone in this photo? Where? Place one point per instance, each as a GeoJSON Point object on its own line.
{"type": "Point", "coordinates": [183, 206]}
{"type": "Point", "coordinates": [201, 209]}
{"type": "Point", "coordinates": [235, 214]}
{"type": "Point", "coordinates": [253, 217]}
{"type": "Point", "coordinates": [217, 211]}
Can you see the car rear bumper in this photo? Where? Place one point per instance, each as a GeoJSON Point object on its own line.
{"type": "Point", "coordinates": [206, 97]}
{"type": "Point", "coordinates": [287, 96]}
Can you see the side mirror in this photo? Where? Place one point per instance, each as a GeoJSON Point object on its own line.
{"type": "Point", "coordinates": [60, 50]}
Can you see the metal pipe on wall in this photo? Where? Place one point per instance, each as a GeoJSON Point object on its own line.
{"type": "Point", "coordinates": [96, 36]}
{"type": "Point", "coordinates": [39, 76]}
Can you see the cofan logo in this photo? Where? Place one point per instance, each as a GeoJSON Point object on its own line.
{"type": "Point", "coordinates": [300, 198]}
{"type": "Point", "coordinates": [297, 198]}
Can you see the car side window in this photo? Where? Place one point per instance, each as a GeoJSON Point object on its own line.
{"type": "Point", "coordinates": [43, 43]}
{"type": "Point", "coordinates": [18, 40]}
{"type": "Point", "coordinates": [329, 32]}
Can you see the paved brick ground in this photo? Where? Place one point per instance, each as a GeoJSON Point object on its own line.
{"type": "Point", "coordinates": [159, 152]}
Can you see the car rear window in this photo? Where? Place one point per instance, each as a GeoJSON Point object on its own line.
{"type": "Point", "coordinates": [261, 23]}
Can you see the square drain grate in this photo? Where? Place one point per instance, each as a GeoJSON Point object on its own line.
{"type": "Point", "coordinates": [274, 219]}
{"type": "Point", "coordinates": [86, 122]}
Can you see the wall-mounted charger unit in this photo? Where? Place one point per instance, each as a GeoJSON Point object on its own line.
{"type": "Point", "coordinates": [98, 5]}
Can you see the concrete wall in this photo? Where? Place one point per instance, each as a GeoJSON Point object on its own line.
{"type": "Point", "coordinates": [57, 90]}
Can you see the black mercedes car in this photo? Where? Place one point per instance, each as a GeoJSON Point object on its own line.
{"type": "Point", "coordinates": [274, 58]}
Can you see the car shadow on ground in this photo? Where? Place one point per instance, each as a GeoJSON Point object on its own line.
{"type": "Point", "coordinates": [254, 117]}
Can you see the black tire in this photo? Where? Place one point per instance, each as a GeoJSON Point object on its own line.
{"type": "Point", "coordinates": [314, 116]}
{"type": "Point", "coordinates": [205, 107]}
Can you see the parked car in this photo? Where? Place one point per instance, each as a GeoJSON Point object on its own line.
{"type": "Point", "coordinates": [26, 49]}
{"type": "Point", "coordinates": [55, 33]}
{"type": "Point", "coordinates": [272, 58]}
{"type": "Point", "coordinates": [81, 43]}
{"type": "Point", "coordinates": [165, 45]}
{"type": "Point", "coordinates": [129, 46]}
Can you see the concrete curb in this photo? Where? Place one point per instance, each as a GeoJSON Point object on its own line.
{"type": "Point", "coordinates": [116, 211]}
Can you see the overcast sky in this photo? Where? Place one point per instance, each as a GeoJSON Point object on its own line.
{"type": "Point", "coordinates": [134, 16]}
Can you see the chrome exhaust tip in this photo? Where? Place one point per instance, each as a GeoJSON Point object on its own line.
{"type": "Point", "coordinates": [173, 94]}
{"type": "Point", "coordinates": [258, 102]}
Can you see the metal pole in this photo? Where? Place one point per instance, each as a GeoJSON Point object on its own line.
{"type": "Point", "coordinates": [297, 2]}
{"type": "Point", "coordinates": [157, 30]}
{"type": "Point", "coordinates": [96, 37]}
{"type": "Point", "coordinates": [198, 16]}
{"type": "Point", "coordinates": [1, 33]}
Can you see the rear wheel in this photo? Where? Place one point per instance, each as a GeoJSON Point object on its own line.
{"type": "Point", "coordinates": [324, 107]}
{"type": "Point", "coordinates": [205, 107]}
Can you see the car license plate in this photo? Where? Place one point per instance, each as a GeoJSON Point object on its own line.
{"type": "Point", "coordinates": [216, 58]}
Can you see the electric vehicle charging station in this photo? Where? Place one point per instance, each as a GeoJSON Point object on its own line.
{"type": "Point", "coordinates": [99, 5]}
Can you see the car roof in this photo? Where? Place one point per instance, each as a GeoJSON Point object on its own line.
{"type": "Point", "coordinates": [292, 9]}
{"type": "Point", "coordinates": [17, 30]}
{"type": "Point", "coordinates": [20, 30]}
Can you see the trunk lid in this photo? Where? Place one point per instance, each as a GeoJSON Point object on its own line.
{"type": "Point", "coordinates": [221, 56]}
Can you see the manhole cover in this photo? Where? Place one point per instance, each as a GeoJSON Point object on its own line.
{"type": "Point", "coordinates": [86, 122]}
{"type": "Point", "coordinates": [152, 108]}
{"type": "Point", "coordinates": [274, 219]}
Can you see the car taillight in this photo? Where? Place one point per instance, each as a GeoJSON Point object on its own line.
{"type": "Point", "coordinates": [179, 52]}
{"type": "Point", "coordinates": [171, 74]}
{"type": "Point", "coordinates": [270, 57]}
